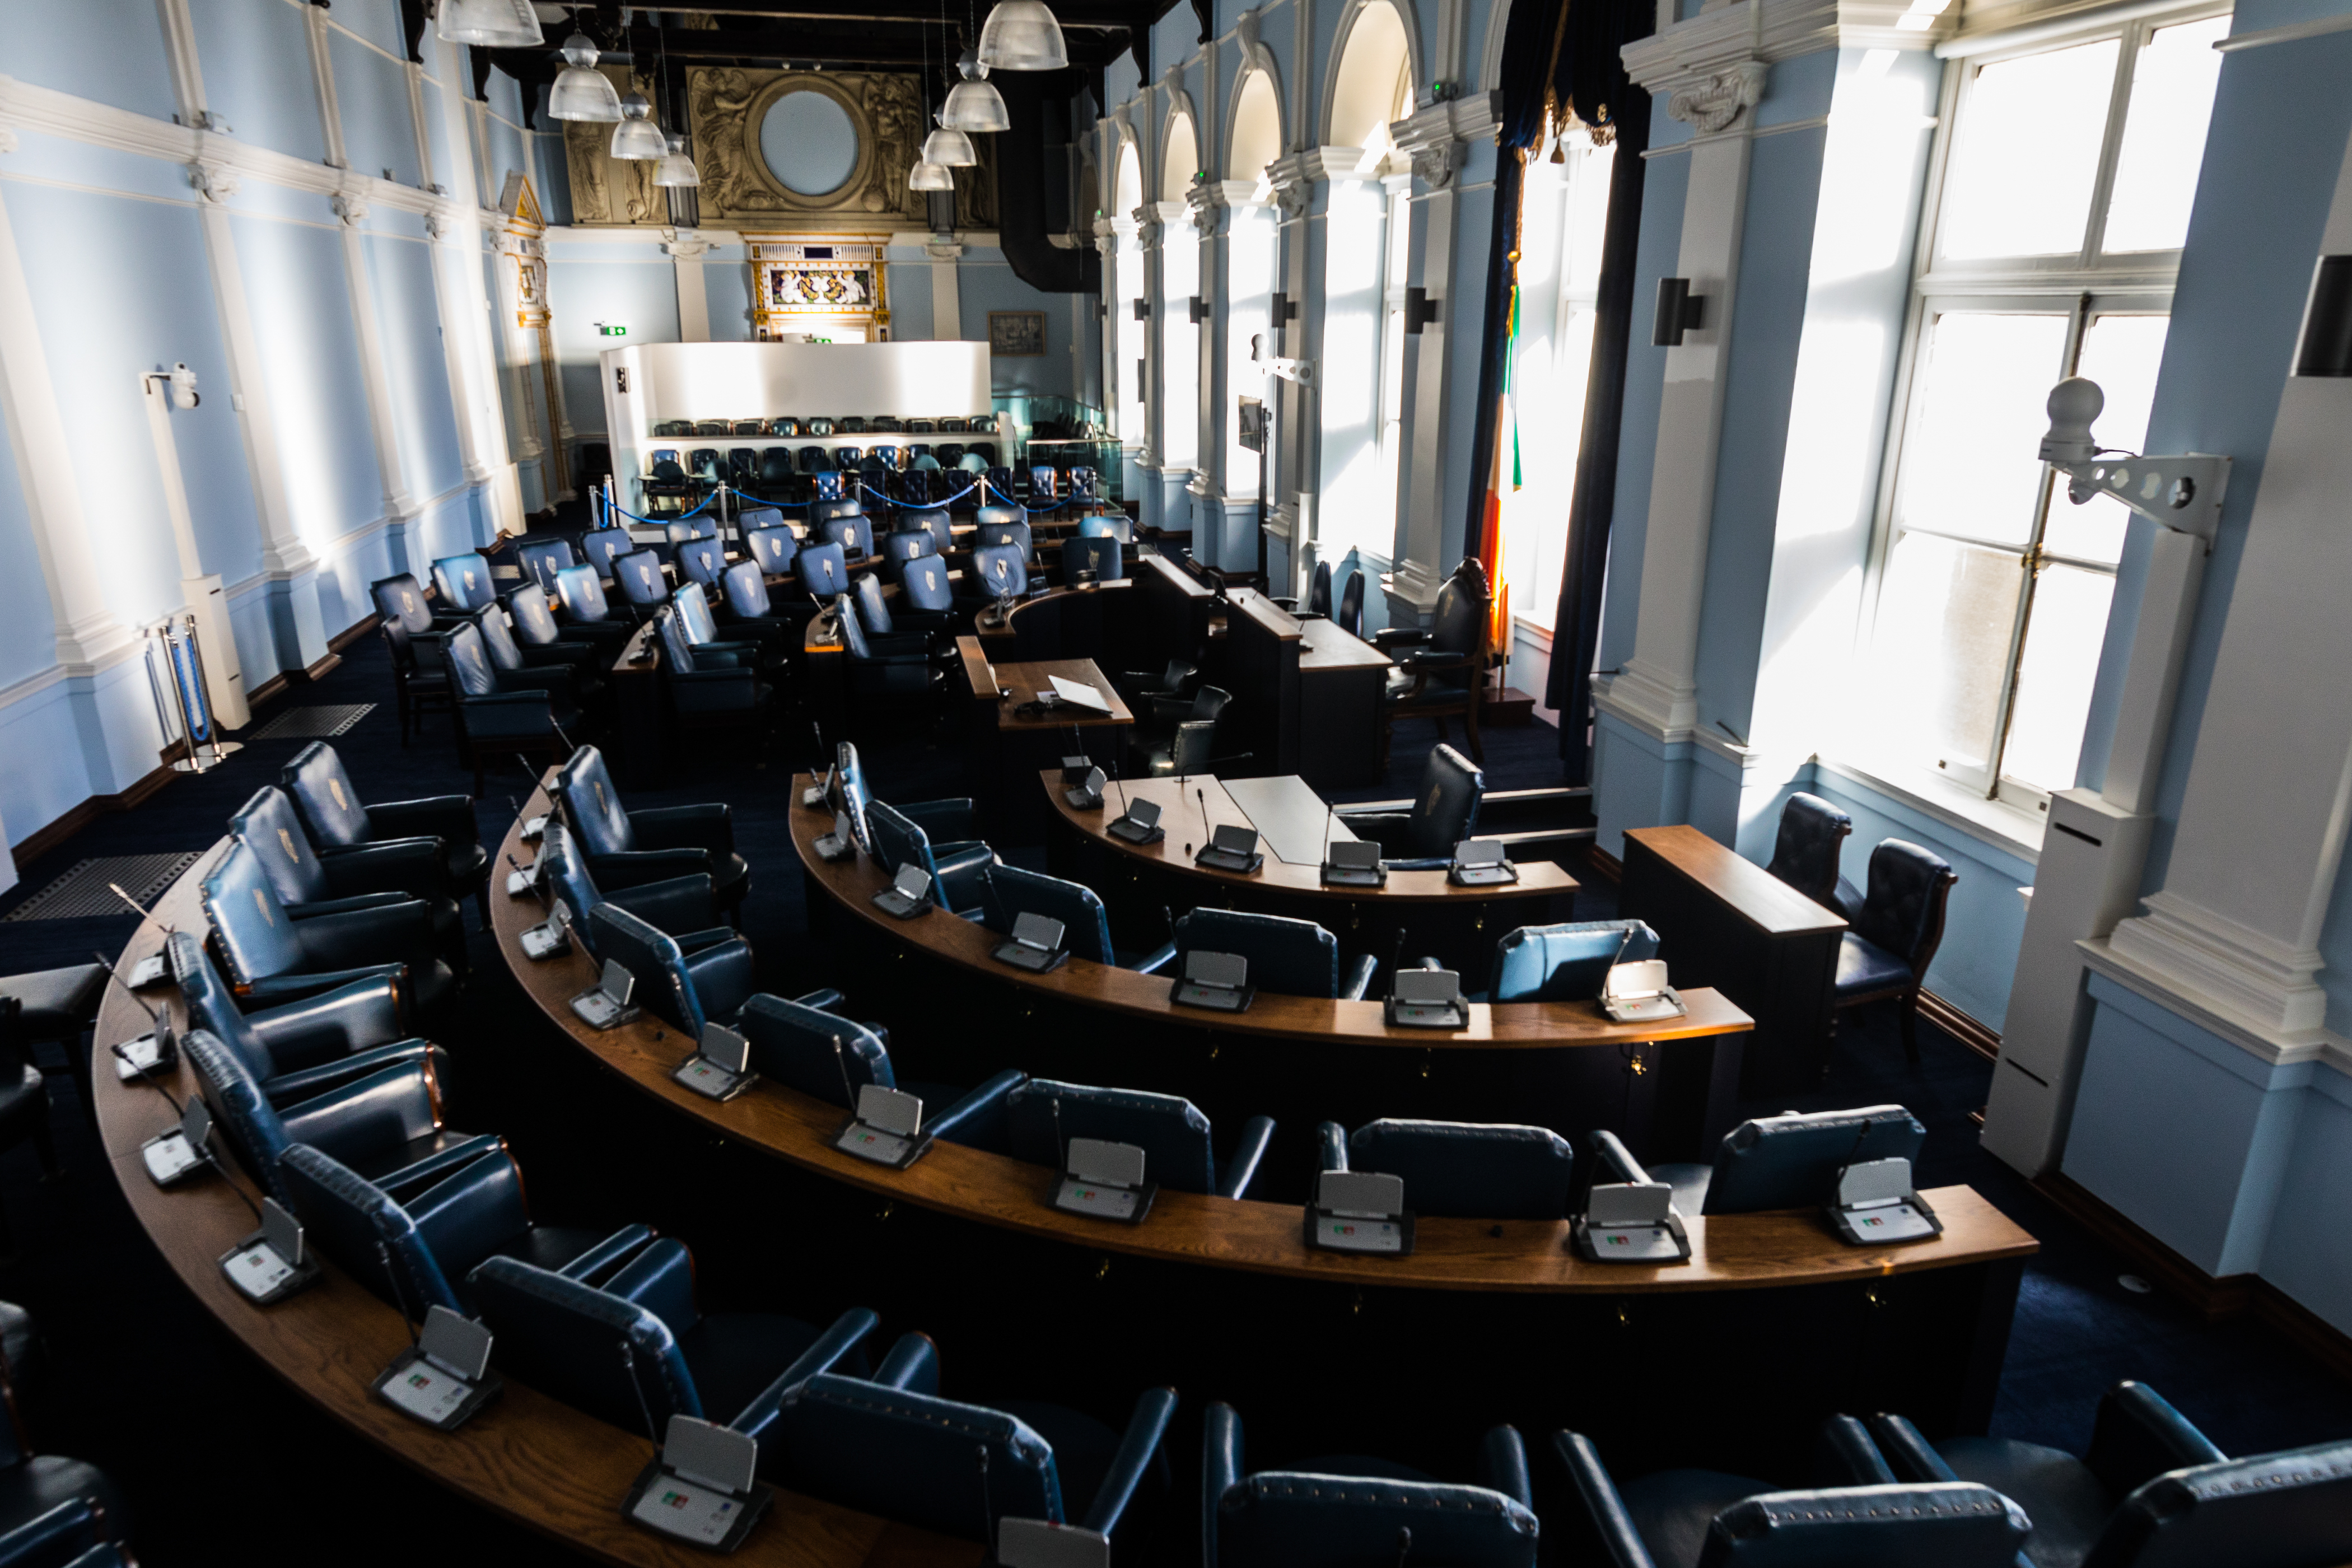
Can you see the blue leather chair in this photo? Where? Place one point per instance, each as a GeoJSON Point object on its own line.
{"type": "Point", "coordinates": [708, 985]}
{"type": "Point", "coordinates": [1855, 1514]}
{"type": "Point", "coordinates": [1086, 485]}
{"type": "Point", "coordinates": [998, 478]}
{"type": "Point", "coordinates": [994, 525]}
{"type": "Point", "coordinates": [1465, 1169]}
{"type": "Point", "coordinates": [339, 822]}
{"type": "Point", "coordinates": [998, 572]}
{"type": "Point", "coordinates": [771, 547]}
{"type": "Point", "coordinates": [640, 582]}
{"type": "Point", "coordinates": [1178, 734]}
{"type": "Point", "coordinates": [959, 869]}
{"type": "Point", "coordinates": [1349, 1510]}
{"type": "Point", "coordinates": [682, 908]}
{"type": "Point", "coordinates": [463, 583]}
{"type": "Point", "coordinates": [1318, 602]}
{"type": "Point", "coordinates": [825, 483]}
{"type": "Point", "coordinates": [272, 957]}
{"type": "Point", "coordinates": [1791, 1161]}
{"type": "Point", "coordinates": [496, 719]}
{"type": "Point", "coordinates": [887, 455]}
{"type": "Point", "coordinates": [540, 637]}
{"type": "Point", "coordinates": [666, 487]}
{"type": "Point", "coordinates": [559, 1332]}
{"type": "Point", "coordinates": [402, 599]}
{"type": "Point", "coordinates": [1108, 525]}
{"type": "Point", "coordinates": [889, 1445]}
{"type": "Point", "coordinates": [1894, 935]}
{"type": "Point", "coordinates": [629, 849]}
{"type": "Point", "coordinates": [1444, 811]}
{"type": "Point", "coordinates": [417, 689]}
{"type": "Point", "coordinates": [1440, 669]}
{"type": "Point", "coordinates": [935, 522]}
{"type": "Point", "coordinates": [303, 1048]}
{"type": "Point", "coordinates": [1805, 851]}
{"type": "Point", "coordinates": [903, 546]}
{"type": "Point", "coordinates": [1008, 892]}
{"type": "Point", "coordinates": [371, 877]}
{"type": "Point", "coordinates": [600, 548]}
{"type": "Point", "coordinates": [884, 634]}
{"type": "Point", "coordinates": [541, 559]}
{"type": "Point", "coordinates": [759, 515]}
{"type": "Point", "coordinates": [824, 572]}
{"type": "Point", "coordinates": [805, 1046]}
{"type": "Point", "coordinates": [1043, 1115]}
{"type": "Point", "coordinates": [700, 561]}
{"type": "Point", "coordinates": [1043, 483]}
{"type": "Point", "coordinates": [701, 629]}
{"type": "Point", "coordinates": [814, 459]}
{"type": "Point", "coordinates": [826, 511]}
{"type": "Point", "coordinates": [2153, 1492]}
{"type": "Point", "coordinates": [1349, 616]}
{"type": "Point", "coordinates": [775, 469]}
{"type": "Point", "coordinates": [742, 466]}
{"type": "Point", "coordinates": [1565, 963]}
{"type": "Point", "coordinates": [567, 683]}
{"type": "Point", "coordinates": [1287, 957]}
{"type": "Point", "coordinates": [1098, 554]}
{"type": "Point", "coordinates": [703, 462]}
{"type": "Point", "coordinates": [925, 589]}
{"type": "Point", "coordinates": [848, 458]}
{"type": "Point", "coordinates": [853, 531]}
{"type": "Point", "coordinates": [386, 1126]}
{"type": "Point", "coordinates": [588, 613]}
{"type": "Point", "coordinates": [76, 1532]}
{"type": "Point", "coordinates": [881, 673]}
{"type": "Point", "coordinates": [753, 616]}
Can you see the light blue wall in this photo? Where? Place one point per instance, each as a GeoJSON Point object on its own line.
{"type": "Point", "coordinates": [257, 61]}
{"type": "Point", "coordinates": [378, 136]}
{"type": "Point", "coordinates": [590, 281]}
{"type": "Point", "coordinates": [727, 285]}
{"type": "Point", "coordinates": [109, 51]}
{"type": "Point", "coordinates": [985, 283]}
{"type": "Point", "coordinates": [27, 625]}
{"type": "Point", "coordinates": [309, 352]}
{"type": "Point", "coordinates": [400, 270]}
{"type": "Point", "coordinates": [907, 274]}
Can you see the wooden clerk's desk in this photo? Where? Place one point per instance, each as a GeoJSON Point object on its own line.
{"type": "Point", "coordinates": [1458, 926]}
{"type": "Point", "coordinates": [1189, 1295]}
{"type": "Point", "coordinates": [1003, 746]}
{"type": "Point", "coordinates": [526, 1457]}
{"type": "Point", "coordinates": [1726, 921]}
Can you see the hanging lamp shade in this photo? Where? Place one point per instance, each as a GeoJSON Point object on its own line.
{"type": "Point", "coordinates": [637, 136]}
{"type": "Point", "coordinates": [950, 148]}
{"type": "Point", "coordinates": [929, 177]}
{"type": "Point", "coordinates": [493, 24]}
{"type": "Point", "coordinates": [581, 90]}
{"type": "Point", "coordinates": [675, 168]}
{"type": "Point", "coordinates": [1022, 35]}
{"type": "Point", "coordinates": [974, 106]}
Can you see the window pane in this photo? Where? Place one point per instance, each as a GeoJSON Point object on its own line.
{"type": "Point", "coordinates": [1970, 466]}
{"type": "Point", "coordinates": [2054, 676]}
{"type": "Point", "coordinates": [2121, 353]}
{"type": "Point", "coordinates": [1944, 622]}
{"type": "Point", "coordinates": [2028, 154]}
{"type": "Point", "coordinates": [2164, 136]}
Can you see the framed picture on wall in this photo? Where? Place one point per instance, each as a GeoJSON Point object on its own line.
{"type": "Point", "coordinates": [1016, 333]}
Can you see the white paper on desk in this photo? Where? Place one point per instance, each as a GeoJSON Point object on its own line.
{"type": "Point", "coordinates": [1077, 691]}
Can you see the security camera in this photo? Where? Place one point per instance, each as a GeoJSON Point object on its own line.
{"type": "Point", "coordinates": [183, 387]}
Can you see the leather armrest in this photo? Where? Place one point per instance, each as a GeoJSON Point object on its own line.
{"type": "Point", "coordinates": [724, 977]}
{"type": "Point", "coordinates": [335, 1023]}
{"type": "Point", "coordinates": [471, 1214]}
{"type": "Point", "coordinates": [379, 1112]}
{"type": "Point", "coordinates": [281, 988]}
{"type": "Point", "coordinates": [844, 1335]}
{"type": "Point", "coordinates": [416, 867]}
{"type": "Point", "coordinates": [1910, 1455]}
{"type": "Point", "coordinates": [706, 826]}
{"type": "Point", "coordinates": [1242, 1165]}
{"type": "Point", "coordinates": [615, 1249]}
{"type": "Point", "coordinates": [1357, 978]}
{"type": "Point", "coordinates": [1171, 709]}
{"type": "Point", "coordinates": [352, 905]}
{"type": "Point", "coordinates": [1845, 1457]}
{"type": "Point", "coordinates": [1332, 1146]}
{"type": "Point", "coordinates": [1503, 1465]}
{"type": "Point", "coordinates": [63, 1534]}
{"type": "Point", "coordinates": [510, 715]}
{"type": "Point", "coordinates": [945, 820]}
{"type": "Point", "coordinates": [1220, 1470]}
{"type": "Point", "coordinates": [1399, 637]}
{"type": "Point", "coordinates": [661, 1280]}
{"type": "Point", "coordinates": [1380, 827]}
{"type": "Point", "coordinates": [636, 868]}
{"type": "Point", "coordinates": [690, 942]}
{"type": "Point", "coordinates": [2139, 1435]}
{"type": "Point", "coordinates": [1598, 1528]}
{"type": "Point", "coordinates": [1158, 959]}
{"type": "Point", "coordinates": [680, 904]}
{"type": "Point", "coordinates": [536, 677]}
{"type": "Point", "coordinates": [825, 999]}
{"type": "Point", "coordinates": [977, 1120]}
{"type": "Point", "coordinates": [1145, 1431]}
{"type": "Point", "coordinates": [438, 1167]}
{"type": "Point", "coordinates": [1437, 659]}
{"type": "Point", "coordinates": [294, 1088]}
{"type": "Point", "coordinates": [1610, 1153]}
{"type": "Point", "coordinates": [912, 1365]}
{"type": "Point", "coordinates": [364, 936]}
{"type": "Point", "coordinates": [449, 817]}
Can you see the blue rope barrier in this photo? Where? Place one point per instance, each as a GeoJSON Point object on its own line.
{"type": "Point", "coordinates": [663, 521]}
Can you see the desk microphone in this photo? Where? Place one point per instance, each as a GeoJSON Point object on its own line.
{"type": "Point", "coordinates": [1404, 1544]}
{"type": "Point", "coordinates": [116, 975]}
{"type": "Point", "coordinates": [1201, 795]}
{"type": "Point", "coordinates": [841, 1062]}
{"type": "Point", "coordinates": [1330, 822]}
{"type": "Point", "coordinates": [1115, 779]}
{"type": "Point", "coordinates": [529, 879]}
{"type": "Point", "coordinates": [399, 1296]}
{"type": "Point", "coordinates": [147, 1076]}
{"type": "Point", "coordinates": [1396, 956]}
{"type": "Point", "coordinates": [1061, 1145]}
{"type": "Point", "coordinates": [116, 888]}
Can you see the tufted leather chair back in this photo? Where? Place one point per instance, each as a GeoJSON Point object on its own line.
{"type": "Point", "coordinates": [1287, 1518]}
{"type": "Point", "coordinates": [1941, 1524]}
{"type": "Point", "coordinates": [271, 824]}
{"type": "Point", "coordinates": [1477, 1171]}
{"type": "Point", "coordinates": [1168, 1127]}
{"type": "Point", "coordinates": [1084, 483]}
{"type": "Point", "coordinates": [1085, 926]}
{"type": "Point", "coordinates": [561, 1337]}
{"type": "Point", "coordinates": [888, 455]}
{"type": "Point", "coordinates": [582, 595]}
{"type": "Point", "coordinates": [999, 479]}
{"type": "Point", "coordinates": [824, 570]}
{"type": "Point", "coordinates": [533, 620]}
{"type": "Point", "coordinates": [828, 484]}
{"type": "Point", "coordinates": [1565, 963]}
{"type": "Point", "coordinates": [926, 584]}
{"type": "Point", "coordinates": [1042, 481]}
{"type": "Point", "coordinates": [401, 599]}
{"type": "Point", "coordinates": [746, 591]}
{"type": "Point", "coordinates": [638, 578]}
{"type": "Point", "coordinates": [1001, 569]}
{"type": "Point", "coordinates": [913, 1458]}
{"type": "Point", "coordinates": [848, 457]}
{"type": "Point", "coordinates": [701, 560]}
{"type": "Point", "coordinates": [775, 466]}
{"type": "Point", "coordinates": [1459, 624]}
{"type": "Point", "coordinates": [852, 532]}
{"type": "Point", "coordinates": [1792, 1161]}
{"type": "Point", "coordinates": [600, 548]}
{"type": "Point", "coordinates": [1287, 957]}
{"type": "Point", "coordinates": [1904, 909]}
{"type": "Point", "coordinates": [255, 932]}
{"type": "Point", "coordinates": [1805, 852]}
{"type": "Point", "coordinates": [463, 583]}
{"type": "Point", "coordinates": [1098, 554]}
{"type": "Point", "coordinates": [771, 548]}
{"type": "Point", "coordinates": [324, 794]}
{"type": "Point", "coordinates": [1350, 617]}
{"type": "Point", "coordinates": [541, 559]}
{"type": "Point", "coordinates": [793, 1044]}
{"type": "Point", "coordinates": [2269, 1510]}
{"type": "Point", "coordinates": [814, 459]}
{"type": "Point", "coordinates": [470, 663]}
{"type": "Point", "coordinates": [592, 806]}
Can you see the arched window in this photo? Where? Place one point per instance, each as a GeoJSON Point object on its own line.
{"type": "Point", "coordinates": [1251, 245]}
{"type": "Point", "coordinates": [1131, 379]}
{"type": "Point", "coordinates": [1180, 281]}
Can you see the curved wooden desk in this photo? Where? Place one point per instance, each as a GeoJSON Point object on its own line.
{"type": "Point", "coordinates": [528, 1458]}
{"type": "Point", "coordinates": [1209, 1273]}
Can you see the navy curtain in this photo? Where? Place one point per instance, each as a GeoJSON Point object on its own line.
{"type": "Point", "coordinates": [1590, 74]}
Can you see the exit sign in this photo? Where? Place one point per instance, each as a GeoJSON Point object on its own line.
{"type": "Point", "coordinates": [612, 331]}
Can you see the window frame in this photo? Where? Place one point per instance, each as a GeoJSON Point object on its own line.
{"type": "Point", "coordinates": [2082, 286]}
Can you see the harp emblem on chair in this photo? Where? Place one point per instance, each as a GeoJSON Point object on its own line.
{"type": "Point", "coordinates": [263, 905]}
{"type": "Point", "coordinates": [335, 788]}
{"type": "Point", "coordinates": [287, 839]}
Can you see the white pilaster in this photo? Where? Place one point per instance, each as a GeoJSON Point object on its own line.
{"type": "Point", "coordinates": [947, 292]}
{"type": "Point", "coordinates": [686, 251]}
{"type": "Point", "coordinates": [322, 85]}
{"type": "Point", "coordinates": [399, 507]}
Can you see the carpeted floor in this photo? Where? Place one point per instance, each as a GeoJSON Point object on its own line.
{"type": "Point", "coordinates": [140, 1382]}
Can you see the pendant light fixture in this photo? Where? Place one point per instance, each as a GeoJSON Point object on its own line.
{"type": "Point", "coordinates": [1022, 35]}
{"type": "Point", "coordinates": [637, 136]}
{"type": "Point", "coordinates": [973, 105]}
{"type": "Point", "coordinates": [928, 173]}
{"type": "Point", "coordinates": [581, 90]}
{"type": "Point", "coordinates": [948, 148]}
{"type": "Point", "coordinates": [492, 24]}
{"type": "Point", "coordinates": [675, 168]}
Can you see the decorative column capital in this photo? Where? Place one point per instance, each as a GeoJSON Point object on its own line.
{"type": "Point", "coordinates": [440, 222]}
{"type": "Point", "coordinates": [214, 182]}
{"type": "Point", "coordinates": [684, 245]}
{"type": "Point", "coordinates": [1712, 104]}
{"type": "Point", "coordinates": [1436, 138]}
{"type": "Point", "coordinates": [349, 208]}
{"type": "Point", "coordinates": [942, 249]}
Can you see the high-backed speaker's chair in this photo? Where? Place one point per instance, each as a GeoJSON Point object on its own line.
{"type": "Point", "coordinates": [1350, 617]}
{"type": "Point", "coordinates": [1349, 1510]}
{"type": "Point", "coordinates": [770, 547]}
{"type": "Point", "coordinates": [1317, 606]}
{"type": "Point", "coordinates": [1805, 851]}
{"type": "Point", "coordinates": [1287, 957]}
{"type": "Point", "coordinates": [1467, 1168]}
{"type": "Point", "coordinates": [338, 820]}
{"type": "Point", "coordinates": [708, 985]}
{"type": "Point", "coordinates": [600, 547]}
{"type": "Point", "coordinates": [371, 876]}
{"type": "Point", "coordinates": [631, 1345]}
{"type": "Point", "coordinates": [824, 572]}
{"type": "Point", "coordinates": [1041, 1116]}
{"type": "Point", "coordinates": [629, 849]}
{"type": "Point", "coordinates": [1895, 933]}
{"type": "Point", "coordinates": [2153, 1491]}
{"type": "Point", "coordinates": [386, 1126]}
{"type": "Point", "coordinates": [414, 1239]}
{"type": "Point", "coordinates": [540, 637]}
{"type": "Point", "coordinates": [959, 871]}
{"type": "Point", "coordinates": [1791, 1161]}
{"type": "Point", "coordinates": [806, 1047]}
{"type": "Point", "coordinates": [303, 1048]}
{"type": "Point", "coordinates": [541, 559]}
{"type": "Point", "coordinates": [588, 614]}
{"type": "Point", "coordinates": [889, 1445]}
{"type": "Point", "coordinates": [496, 719]}
{"type": "Point", "coordinates": [1855, 1515]}
{"type": "Point", "coordinates": [1565, 963]}
{"type": "Point", "coordinates": [1444, 811]}
{"type": "Point", "coordinates": [463, 583]}
{"type": "Point", "coordinates": [641, 585]}
{"type": "Point", "coordinates": [682, 908]}
{"type": "Point", "coordinates": [273, 958]}
{"type": "Point", "coordinates": [753, 616]}
{"type": "Point", "coordinates": [1440, 671]}
{"type": "Point", "coordinates": [1095, 554]}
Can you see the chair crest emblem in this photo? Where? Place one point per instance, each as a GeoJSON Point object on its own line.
{"type": "Point", "coordinates": [263, 905]}
{"type": "Point", "coordinates": [335, 788]}
{"type": "Point", "coordinates": [287, 839]}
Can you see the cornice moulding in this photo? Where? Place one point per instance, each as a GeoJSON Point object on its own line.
{"type": "Point", "coordinates": [1689, 55]}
